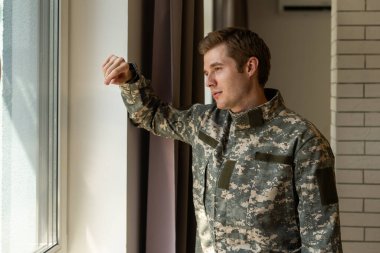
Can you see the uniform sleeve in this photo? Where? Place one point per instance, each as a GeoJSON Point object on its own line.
{"type": "Point", "coordinates": [318, 201]}
{"type": "Point", "coordinates": [147, 111]}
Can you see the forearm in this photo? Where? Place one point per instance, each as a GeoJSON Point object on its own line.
{"type": "Point", "coordinates": [147, 111]}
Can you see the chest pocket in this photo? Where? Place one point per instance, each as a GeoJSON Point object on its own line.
{"type": "Point", "coordinates": [260, 189]}
{"type": "Point", "coordinates": [207, 139]}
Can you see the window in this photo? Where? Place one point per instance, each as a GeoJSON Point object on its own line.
{"type": "Point", "coordinates": [28, 125]}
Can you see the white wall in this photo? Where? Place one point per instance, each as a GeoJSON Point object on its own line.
{"type": "Point", "coordinates": [97, 125]}
{"type": "Point", "coordinates": [300, 47]}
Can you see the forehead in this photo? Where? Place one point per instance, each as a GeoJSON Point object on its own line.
{"type": "Point", "coordinates": [218, 53]}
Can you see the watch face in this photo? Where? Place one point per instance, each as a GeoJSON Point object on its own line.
{"type": "Point", "coordinates": [135, 76]}
{"type": "Point", "coordinates": [132, 67]}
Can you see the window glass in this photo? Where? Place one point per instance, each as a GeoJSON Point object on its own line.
{"type": "Point", "coordinates": [28, 125]}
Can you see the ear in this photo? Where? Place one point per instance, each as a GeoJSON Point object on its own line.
{"type": "Point", "coordinates": [252, 66]}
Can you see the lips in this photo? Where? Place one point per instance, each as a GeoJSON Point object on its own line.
{"type": "Point", "coordinates": [216, 94]}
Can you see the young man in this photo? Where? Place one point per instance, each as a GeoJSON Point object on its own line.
{"type": "Point", "coordinates": [263, 175]}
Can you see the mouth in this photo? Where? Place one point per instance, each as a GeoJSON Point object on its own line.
{"type": "Point", "coordinates": [216, 94]}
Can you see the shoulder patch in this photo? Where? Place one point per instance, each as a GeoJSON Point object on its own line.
{"type": "Point", "coordinates": [327, 186]}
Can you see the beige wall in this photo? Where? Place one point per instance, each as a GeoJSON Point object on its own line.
{"type": "Point", "coordinates": [300, 47]}
{"type": "Point", "coordinates": [97, 125]}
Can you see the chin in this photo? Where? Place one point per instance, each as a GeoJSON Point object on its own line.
{"type": "Point", "coordinates": [221, 106]}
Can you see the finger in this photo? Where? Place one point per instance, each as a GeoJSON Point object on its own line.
{"type": "Point", "coordinates": [118, 75]}
{"type": "Point", "coordinates": [110, 60]}
{"type": "Point", "coordinates": [106, 65]}
{"type": "Point", "coordinates": [107, 60]}
{"type": "Point", "coordinates": [114, 64]}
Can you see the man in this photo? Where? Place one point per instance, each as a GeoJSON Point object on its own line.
{"type": "Point", "coordinates": [263, 175]}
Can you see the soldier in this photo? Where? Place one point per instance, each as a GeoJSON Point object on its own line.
{"type": "Point", "coordinates": [263, 175]}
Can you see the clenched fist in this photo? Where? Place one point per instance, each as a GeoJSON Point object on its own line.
{"type": "Point", "coordinates": [116, 70]}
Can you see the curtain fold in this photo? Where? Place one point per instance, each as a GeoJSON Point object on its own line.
{"type": "Point", "coordinates": [146, 52]}
{"type": "Point", "coordinates": [230, 13]}
{"type": "Point", "coordinates": [176, 74]}
{"type": "Point", "coordinates": [187, 65]}
{"type": "Point", "coordinates": [160, 232]}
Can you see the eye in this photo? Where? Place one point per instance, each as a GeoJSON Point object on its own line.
{"type": "Point", "coordinates": [217, 69]}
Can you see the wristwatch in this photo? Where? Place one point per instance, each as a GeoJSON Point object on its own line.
{"type": "Point", "coordinates": [135, 75]}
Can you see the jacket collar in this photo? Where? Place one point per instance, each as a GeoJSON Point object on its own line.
{"type": "Point", "coordinates": [257, 116]}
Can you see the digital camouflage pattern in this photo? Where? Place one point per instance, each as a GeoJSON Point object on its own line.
{"type": "Point", "coordinates": [263, 179]}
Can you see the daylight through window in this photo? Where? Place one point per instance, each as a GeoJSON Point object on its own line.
{"type": "Point", "coordinates": [28, 126]}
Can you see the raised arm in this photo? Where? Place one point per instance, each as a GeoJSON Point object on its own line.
{"type": "Point", "coordinates": [145, 109]}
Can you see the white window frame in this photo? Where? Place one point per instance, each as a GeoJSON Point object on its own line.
{"type": "Point", "coordinates": [63, 51]}
{"type": "Point", "coordinates": [53, 37]}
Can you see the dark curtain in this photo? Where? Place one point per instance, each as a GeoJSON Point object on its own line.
{"type": "Point", "coordinates": [147, 21]}
{"type": "Point", "coordinates": [160, 230]}
{"type": "Point", "coordinates": [187, 27]}
{"type": "Point", "coordinates": [171, 32]}
{"type": "Point", "coordinates": [230, 13]}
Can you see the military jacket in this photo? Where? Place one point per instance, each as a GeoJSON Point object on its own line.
{"type": "Point", "coordinates": [263, 179]}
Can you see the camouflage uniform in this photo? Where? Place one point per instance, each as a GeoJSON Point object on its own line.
{"type": "Point", "coordinates": [263, 179]}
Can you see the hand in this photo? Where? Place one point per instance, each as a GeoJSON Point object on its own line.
{"type": "Point", "coordinates": [116, 70]}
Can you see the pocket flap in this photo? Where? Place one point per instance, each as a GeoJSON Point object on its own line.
{"type": "Point", "coordinates": [207, 139]}
{"type": "Point", "coordinates": [225, 176]}
{"type": "Point", "coordinates": [266, 157]}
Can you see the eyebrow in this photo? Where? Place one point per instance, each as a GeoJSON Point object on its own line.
{"type": "Point", "coordinates": [215, 64]}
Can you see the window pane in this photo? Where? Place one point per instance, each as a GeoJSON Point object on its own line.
{"type": "Point", "coordinates": [28, 125]}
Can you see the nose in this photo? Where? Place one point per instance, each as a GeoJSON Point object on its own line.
{"type": "Point", "coordinates": [210, 81]}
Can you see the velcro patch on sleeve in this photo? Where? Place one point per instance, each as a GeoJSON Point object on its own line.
{"type": "Point", "coordinates": [327, 186]}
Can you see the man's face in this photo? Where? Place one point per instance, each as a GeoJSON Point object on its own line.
{"type": "Point", "coordinates": [230, 89]}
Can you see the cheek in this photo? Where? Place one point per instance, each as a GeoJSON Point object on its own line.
{"type": "Point", "coordinates": [218, 77]}
{"type": "Point", "coordinates": [224, 78]}
{"type": "Point", "coordinates": [223, 73]}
